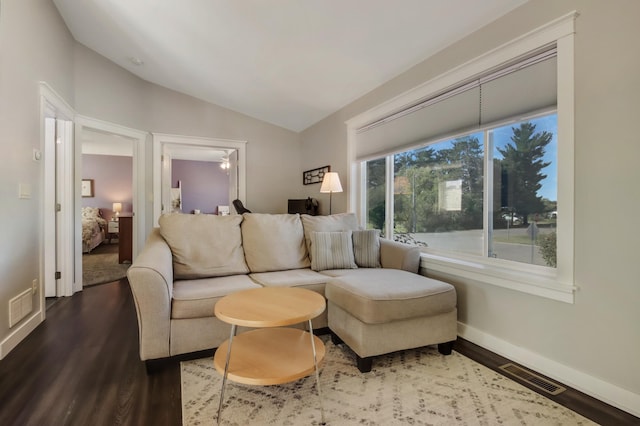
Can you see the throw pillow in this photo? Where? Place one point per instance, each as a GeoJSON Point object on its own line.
{"type": "Point", "coordinates": [366, 248]}
{"type": "Point", "coordinates": [331, 223]}
{"type": "Point", "coordinates": [204, 245]}
{"type": "Point", "coordinates": [332, 250]}
{"type": "Point", "coordinates": [273, 242]}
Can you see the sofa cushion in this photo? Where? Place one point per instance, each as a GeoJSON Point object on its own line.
{"type": "Point", "coordinates": [305, 278]}
{"type": "Point", "coordinates": [366, 248]}
{"type": "Point", "coordinates": [273, 242]}
{"type": "Point", "coordinates": [377, 296]}
{"type": "Point", "coordinates": [196, 298]}
{"type": "Point", "coordinates": [204, 245]}
{"type": "Point", "coordinates": [332, 250]}
{"type": "Point", "coordinates": [331, 223]}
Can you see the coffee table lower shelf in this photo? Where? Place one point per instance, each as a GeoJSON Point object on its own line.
{"type": "Point", "coordinates": [269, 356]}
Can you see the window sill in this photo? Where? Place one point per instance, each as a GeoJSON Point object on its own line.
{"type": "Point", "coordinates": [521, 278]}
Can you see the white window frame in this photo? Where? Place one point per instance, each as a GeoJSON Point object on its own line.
{"type": "Point", "coordinates": [556, 284]}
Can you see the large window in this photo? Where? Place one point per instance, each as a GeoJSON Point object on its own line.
{"type": "Point", "coordinates": [476, 166]}
{"type": "Point", "coordinates": [439, 196]}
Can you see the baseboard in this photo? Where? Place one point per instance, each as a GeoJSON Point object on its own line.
{"type": "Point", "coordinates": [590, 385]}
{"type": "Point", "coordinates": [18, 335]}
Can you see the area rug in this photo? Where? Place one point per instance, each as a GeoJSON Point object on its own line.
{"type": "Point", "coordinates": [413, 387]}
{"type": "Point", "coordinates": [101, 265]}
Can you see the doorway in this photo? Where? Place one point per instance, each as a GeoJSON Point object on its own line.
{"type": "Point", "coordinates": [166, 148]}
{"type": "Point", "coordinates": [57, 267]}
{"type": "Point", "coordinates": [107, 173]}
{"type": "Point", "coordinates": [115, 158]}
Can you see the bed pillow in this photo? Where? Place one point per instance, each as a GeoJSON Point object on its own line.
{"type": "Point", "coordinates": [90, 212]}
{"type": "Point", "coordinates": [332, 250]}
{"type": "Point", "coordinates": [366, 248]}
{"type": "Point", "coordinates": [204, 245]}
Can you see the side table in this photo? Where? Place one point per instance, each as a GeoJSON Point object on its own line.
{"type": "Point", "coordinates": [272, 353]}
{"type": "Point", "coordinates": [113, 227]}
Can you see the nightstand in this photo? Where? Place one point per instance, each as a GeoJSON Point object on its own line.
{"type": "Point", "coordinates": [113, 228]}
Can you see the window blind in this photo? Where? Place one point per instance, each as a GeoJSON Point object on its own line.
{"type": "Point", "coordinates": [524, 85]}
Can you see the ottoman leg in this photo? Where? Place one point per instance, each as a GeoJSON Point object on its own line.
{"type": "Point", "coordinates": [364, 364]}
{"type": "Point", "coordinates": [445, 348]}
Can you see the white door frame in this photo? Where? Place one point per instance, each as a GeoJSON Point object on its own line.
{"type": "Point", "coordinates": [54, 107]}
{"type": "Point", "coordinates": [161, 140]}
{"type": "Point", "coordinates": [138, 138]}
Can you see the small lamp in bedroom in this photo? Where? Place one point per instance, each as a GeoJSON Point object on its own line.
{"type": "Point", "coordinates": [331, 184]}
{"type": "Point", "coordinates": [117, 208]}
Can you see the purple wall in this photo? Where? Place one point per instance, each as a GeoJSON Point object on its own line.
{"type": "Point", "coordinates": [205, 185]}
{"type": "Point", "coordinates": [112, 182]}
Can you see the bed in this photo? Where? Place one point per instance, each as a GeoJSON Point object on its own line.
{"type": "Point", "coordinates": [93, 228]}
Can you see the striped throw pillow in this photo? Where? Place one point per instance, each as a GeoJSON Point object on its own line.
{"type": "Point", "coordinates": [332, 250]}
{"type": "Point", "coordinates": [366, 248]}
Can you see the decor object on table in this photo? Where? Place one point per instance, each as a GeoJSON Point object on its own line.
{"type": "Point", "coordinates": [117, 208]}
{"type": "Point", "coordinates": [87, 188]}
{"type": "Point", "coordinates": [303, 206]}
{"type": "Point", "coordinates": [315, 175]}
{"type": "Point", "coordinates": [331, 184]}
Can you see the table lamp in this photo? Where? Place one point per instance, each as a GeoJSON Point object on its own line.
{"type": "Point", "coordinates": [117, 208]}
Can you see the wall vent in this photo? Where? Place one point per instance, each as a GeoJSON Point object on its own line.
{"type": "Point", "coordinates": [19, 307]}
{"type": "Point", "coordinates": [533, 379]}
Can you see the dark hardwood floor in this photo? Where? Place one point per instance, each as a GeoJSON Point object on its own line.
{"type": "Point", "coordinates": [81, 367]}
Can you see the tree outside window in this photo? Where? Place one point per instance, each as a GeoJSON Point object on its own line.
{"type": "Point", "coordinates": [439, 199]}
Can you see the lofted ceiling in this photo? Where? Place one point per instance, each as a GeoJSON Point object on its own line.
{"type": "Point", "coordinates": [286, 62]}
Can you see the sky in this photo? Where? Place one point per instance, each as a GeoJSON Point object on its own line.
{"type": "Point", "coordinates": [502, 137]}
{"type": "Point", "coordinates": [549, 123]}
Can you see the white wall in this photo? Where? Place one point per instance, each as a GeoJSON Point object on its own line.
{"type": "Point", "coordinates": [109, 92]}
{"type": "Point", "coordinates": [595, 342]}
{"type": "Point", "coordinates": [34, 45]}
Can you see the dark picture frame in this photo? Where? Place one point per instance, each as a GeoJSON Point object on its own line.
{"type": "Point", "coordinates": [315, 175]}
{"type": "Point", "coordinates": [87, 188]}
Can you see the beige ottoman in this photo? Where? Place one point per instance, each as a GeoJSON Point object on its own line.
{"type": "Point", "coordinates": [377, 311]}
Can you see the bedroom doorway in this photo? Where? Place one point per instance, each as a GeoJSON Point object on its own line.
{"type": "Point", "coordinates": [107, 202]}
{"type": "Point", "coordinates": [111, 211]}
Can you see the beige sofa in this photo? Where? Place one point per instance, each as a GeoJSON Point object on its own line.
{"type": "Point", "coordinates": [377, 303]}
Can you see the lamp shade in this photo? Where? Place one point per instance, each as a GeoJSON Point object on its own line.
{"type": "Point", "coordinates": [331, 183]}
{"type": "Point", "coordinates": [117, 207]}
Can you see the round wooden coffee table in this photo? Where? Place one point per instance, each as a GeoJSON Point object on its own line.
{"type": "Point", "coordinates": [272, 353]}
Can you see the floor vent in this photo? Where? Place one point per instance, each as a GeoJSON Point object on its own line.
{"type": "Point", "coordinates": [533, 379]}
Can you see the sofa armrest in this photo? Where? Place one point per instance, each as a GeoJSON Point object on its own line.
{"type": "Point", "coordinates": [151, 281]}
{"type": "Point", "coordinates": [395, 255]}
